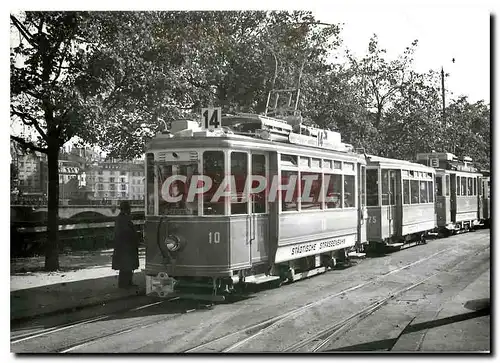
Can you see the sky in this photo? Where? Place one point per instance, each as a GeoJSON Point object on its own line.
{"type": "Point", "coordinates": [443, 32]}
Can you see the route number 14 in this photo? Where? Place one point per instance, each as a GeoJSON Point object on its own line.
{"type": "Point", "coordinates": [213, 237]}
{"type": "Point", "coordinates": [211, 118]}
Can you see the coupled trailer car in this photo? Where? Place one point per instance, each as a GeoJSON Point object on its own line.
{"type": "Point", "coordinates": [460, 192]}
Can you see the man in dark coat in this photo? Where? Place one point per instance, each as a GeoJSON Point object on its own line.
{"type": "Point", "coordinates": [126, 253]}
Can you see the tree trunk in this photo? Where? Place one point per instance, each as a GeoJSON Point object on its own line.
{"type": "Point", "coordinates": [52, 244]}
{"type": "Point", "coordinates": [379, 116]}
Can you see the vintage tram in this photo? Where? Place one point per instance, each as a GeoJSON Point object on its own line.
{"type": "Point", "coordinates": [256, 199]}
{"type": "Point", "coordinates": [400, 202]}
{"type": "Point", "coordinates": [458, 199]}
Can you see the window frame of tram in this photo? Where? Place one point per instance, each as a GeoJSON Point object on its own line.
{"type": "Point", "coordinates": [222, 201]}
{"type": "Point", "coordinates": [310, 167]}
{"type": "Point", "coordinates": [372, 187]}
{"type": "Point", "coordinates": [463, 186]}
{"type": "Point", "coordinates": [439, 186]}
{"type": "Point", "coordinates": [168, 169]}
{"type": "Point", "coordinates": [239, 202]}
{"type": "Point", "coordinates": [328, 174]}
{"type": "Point", "coordinates": [288, 166]}
{"type": "Point", "coordinates": [388, 186]}
{"type": "Point", "coordinates": [363, 186]}
{"type": "Point", "coordinates": [260, 200]}
{"type": "Point", "coordinates": [252, 204]}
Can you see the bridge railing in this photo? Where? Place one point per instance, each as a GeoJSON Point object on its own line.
{"type": "Point", "coordinates": [84, 202]}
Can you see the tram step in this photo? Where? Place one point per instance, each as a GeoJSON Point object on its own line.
{"type": "Point", "coordinates": [394, 244]}
{"type": "Point", "coordinates": [357, 254]}
{"type": "Point", "coordinates": [303, 275]}
{"type": "Point", "coordinates": [260, 279]}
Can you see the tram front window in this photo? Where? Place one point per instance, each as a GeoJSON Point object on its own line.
{"type": "Point", "coordinates": [174, 184]}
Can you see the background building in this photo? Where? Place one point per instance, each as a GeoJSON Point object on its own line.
{"type": "Point", "coordinates": [83, 174]}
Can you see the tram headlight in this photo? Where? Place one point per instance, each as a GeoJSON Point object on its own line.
{"type": "Point", "coordinates": [173, 243]}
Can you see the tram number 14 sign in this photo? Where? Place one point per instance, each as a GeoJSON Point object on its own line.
{"type": "Point", "coordinates": [211, 118]}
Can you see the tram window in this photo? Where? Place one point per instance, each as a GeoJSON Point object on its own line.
{"type": "Point", "coordinates": [388, 187]}
{"type": "Point", "coordinates": [333, 190]}
{"type": "Point", "coordinates": [327, 164]}
{"type": "Point", "coordinates": [406, 191]}
{"type": "Point", "coordinates": [315, 163]}
{"type": "Point", "coordinates": [431, 191]}
{"type": "Point", "coordinates": [349, 191]}
{"type": "Point", "coordinates": [458, 186]}
{"type": "Point", "coordinates": [439, 186]}
{"type": "Point", "coordinates": [447, 185]}
{"type": "Point", "coordinates": [289, 190]}
{"type": "Point", "coordinates": [463, 184]}
{"type": "Point", "coordinates": [372, 187]}
{"type": "Point", "coordinates": [288, 160]}
{"type": "Point", "coordinates": [213, 167]}
{"type": "Point", "coordinates": [385, 187]}
{"type": "Point", "coordinates": [423, 191]}
{"type": "Point", "coordinates": [258, 168]}
{"type": "Point", "coordinates": [363, 186]}
{"type": "Point", "coordinates": [414, 192]}
{"type": "Point", "coordinates": [304, 161]}
{"type": "Point", "coordinates": [469, 186]}
{"type": "Point", "coordinates": [310, 190]}
{"type": "Point", "coordinates": [337, 165]}
{"type": "Point", "coordinates": [150, 184]}
{"type": "Point", "coordinates": [349, 166]}
{"type": "Point", "coordinates": [174, 198]}
{"type": "Point", "coordinates": [239, 201]}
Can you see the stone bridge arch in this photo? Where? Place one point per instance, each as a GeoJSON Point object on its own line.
{"type": "Point", "coordinates": [68, 212]}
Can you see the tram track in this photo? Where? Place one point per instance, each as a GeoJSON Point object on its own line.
{"type": "Point", "coordinates": [251, 332]}
{"type": "Point", "coordinates": [322, 338]}
{"type": "Point", "coordinates": [19, 338]}
{"type": "Point", "coordinates": [46, 333]}
{"type": "Point", "coordinates": [268, 325]}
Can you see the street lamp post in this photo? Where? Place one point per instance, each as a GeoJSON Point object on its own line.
{"type": "Point", "coordinates": [442, 91]}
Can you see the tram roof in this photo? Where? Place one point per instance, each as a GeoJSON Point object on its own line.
{"type": "Point", "coordinates": [403, 164]}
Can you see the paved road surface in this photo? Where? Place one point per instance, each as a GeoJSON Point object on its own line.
{"type": "Point", "coordinates": [432, 298]}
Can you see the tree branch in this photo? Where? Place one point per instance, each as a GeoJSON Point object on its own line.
{"type": "Point", "coordinates": [60, 64]}
{"type": "Point", "coordinates": [27, 144]}
{"type": "Point", "coordinates": [34, 122]}
{"type": "Point", "coordinates": [24, 32]}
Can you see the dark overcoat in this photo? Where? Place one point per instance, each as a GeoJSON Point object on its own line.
{"type": "Point", "coordinates": [126, 246]}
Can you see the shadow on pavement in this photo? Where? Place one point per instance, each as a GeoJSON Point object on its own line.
{"type": "Point", "coordinates": [387, 344]}
{"type": "Point", "coordinates": [69, 296]}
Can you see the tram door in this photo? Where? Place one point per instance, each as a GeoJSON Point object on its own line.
{"type": "Point", "coordinates": [480, 209]}
{"type": "Point", "coordinates": [363, 213]}
{"type": "Point", "coordinates": [398, 200]}
{"type": "Point", "coordinates": [258, 221]}
{"type": "Point", "coordinates": [389, 200]}
{"type": "Point", "coordinates": [249, 222]}
{"type": "Point", "coordinates": [453, 197]}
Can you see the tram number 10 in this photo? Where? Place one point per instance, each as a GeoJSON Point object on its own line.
{"type": "Point", "coordinates": [213, 237]}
